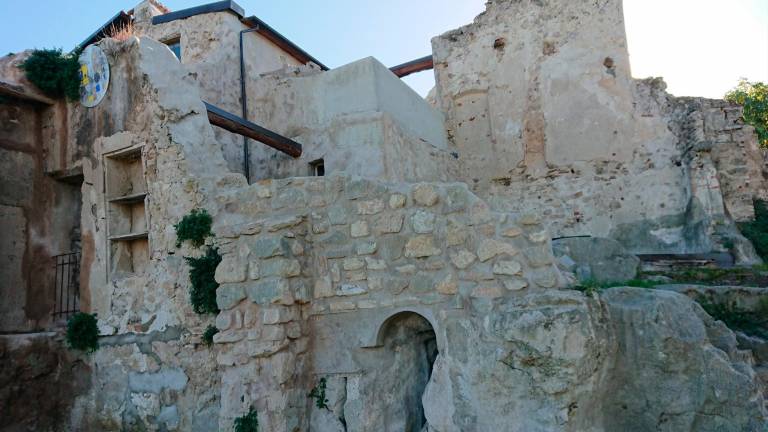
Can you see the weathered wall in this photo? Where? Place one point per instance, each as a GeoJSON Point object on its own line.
{"type": "Point", "coordinates": [358, 118]}
{"type": "Point", "coordinates": [152, 370]}
{"type": "Point", "coordinates": [313, 267]}
{"type": "Point", "coordinates": [546, 118]}
{"type": "Point", "coordinates": [210, 51]}
{"type": "Point", "coordinates": [40, 215]}
{"type": "Point", "coordinates": [39, 382]}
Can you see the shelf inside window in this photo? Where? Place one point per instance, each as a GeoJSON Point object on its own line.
{"type": "Point", "coordinates": [129, 199]}
{"type": "Point", "coordinates": [130, 236]}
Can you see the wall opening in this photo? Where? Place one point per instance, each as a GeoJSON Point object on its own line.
{"type": "Point", "coordinates": [317, 168]}
{"type": "Point", "coordinates": [411, 345]}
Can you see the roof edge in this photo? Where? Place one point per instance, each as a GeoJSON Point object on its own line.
{"type": "Point", "coordinates": [220, 6]}
{"type": "Point", "coordinates": [281, 41]}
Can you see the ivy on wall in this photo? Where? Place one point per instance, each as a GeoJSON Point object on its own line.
{"type": "Point", "coordinates": [83, 332]}
{"type": "Point", "coordinates": [196, 228]}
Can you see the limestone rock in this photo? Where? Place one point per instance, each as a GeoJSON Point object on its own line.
{"type": "Point", "coordinates": [599, 259]}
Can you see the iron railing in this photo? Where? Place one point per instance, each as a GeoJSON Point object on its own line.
{"type": "Point", "coordinates": [66, 285]}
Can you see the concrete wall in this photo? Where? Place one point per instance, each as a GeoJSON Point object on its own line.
{"type": "Point", "coordinates": [358, 118]}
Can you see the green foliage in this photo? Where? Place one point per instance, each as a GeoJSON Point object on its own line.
{"type": "Point", "coordinates": [754, 97]}
{"type": "Point", "coordinates": [248, 422]}
{"type": "Point", "coordinates": [590, 287]}
{"type": "Point", "coordinates": [208, 335]}
{"type": "Point", "coordinates": [736, 318]}
{"type": "Point", "coordinates": [54, 73]}
{"type": "Point", "coordinates": [195, 227]}
{"type": "Point", "coordinates": [318, 394]}
{"type": "Point", "coordinates": [201, 275]}
{"type": "Point", "coordinates": [83, 332]}
{"type": "Point", "coordinates": [757, 230]}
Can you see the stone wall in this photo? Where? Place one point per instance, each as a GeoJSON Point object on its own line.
{"type": "Point", "coordinates": [210, 51]}
{"type": "Point", "coordinates": [312, 268]}
{"type": "Point", "coordinates": [40, 214]}
{"type": "Point", "coordinates": [546, 118]}
{"type": "Point", "coordinates": [39, 382]}
{"type": "Point", "coordinates": [152, 372]}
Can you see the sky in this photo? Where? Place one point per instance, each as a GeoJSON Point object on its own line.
{"type": "Point", "coordinates": [700, 47]}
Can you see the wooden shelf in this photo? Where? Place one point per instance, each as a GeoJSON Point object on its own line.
{"type": "Point", "coordinates": [129, 199]}
{"type": "Point", "coordinates": [127, 154]}
{"type": "Point", "coordinates": [129, 237]}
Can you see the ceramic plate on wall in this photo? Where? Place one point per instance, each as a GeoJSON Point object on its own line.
{"type": "Point", "coordinates": [94, 76]}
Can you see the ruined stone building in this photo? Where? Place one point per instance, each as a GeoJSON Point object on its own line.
{"type": "Point", "coordinates": [397, 249]}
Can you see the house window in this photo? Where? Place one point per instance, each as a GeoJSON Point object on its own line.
{"type": "Point", "coordinates": [175, 46]}
{"type": "Point", "coordinates": [317, 168]}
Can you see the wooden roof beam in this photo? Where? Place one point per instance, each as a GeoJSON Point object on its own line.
{"type": "Point", "coordinates": [418, 65]}
{"type": "Point", "coordinates": [228, 121]}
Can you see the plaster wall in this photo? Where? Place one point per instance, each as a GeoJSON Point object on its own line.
{"type": "Point", "coordinates": [40, 215]}
{"type": "Point", "coordinates": [358, 118]}
{"type": "Point", "coordinates": [210, 52]}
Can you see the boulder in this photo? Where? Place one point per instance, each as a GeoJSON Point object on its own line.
{"type": "Point", "coordinates": [597, 259]}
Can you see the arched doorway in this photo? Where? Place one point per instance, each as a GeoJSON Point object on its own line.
{"type": "Point", "coordinates": [406, 356]}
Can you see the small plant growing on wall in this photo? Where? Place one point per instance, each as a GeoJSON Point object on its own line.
{"type": "Point", "coordinates": [318, 394]}
{"type": "Point", "coordinates": [56, 74]}
{"type": "Point", "coordinates": [208, 335]}
{"type": "Point", "coordinates": [248, 422]}
{"type": "Point", "coordinates": [83, 332]}
{"type": "Point", "coordinates": [754, 97]}
{"type": "Point", "coordinates": [204, 285]}
{"type": "Point", "coordinates": [195, 227]}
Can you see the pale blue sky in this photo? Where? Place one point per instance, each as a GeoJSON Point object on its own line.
{"type": "Point", "coordinates": [701, 47]}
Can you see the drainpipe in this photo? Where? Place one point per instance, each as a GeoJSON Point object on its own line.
{"type": "Point", "coordinates": [244, 103]}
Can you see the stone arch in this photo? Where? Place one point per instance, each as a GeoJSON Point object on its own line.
{"type": "Point", "coordinates": [375, 339]}
{"type": "Point", "coordinates": [406, 348]}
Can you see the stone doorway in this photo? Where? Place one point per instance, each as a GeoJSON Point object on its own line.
{"type": "Point", "coordinates": [395, 385]}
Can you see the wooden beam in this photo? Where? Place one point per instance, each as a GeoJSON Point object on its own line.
{"type": "Point", "coordinates": [228, 121]}
{"type": "Point", "coordinates": [418, 65]}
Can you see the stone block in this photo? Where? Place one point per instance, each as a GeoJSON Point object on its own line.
{"type": "Point", "coordinates": [423, 222]}
{"type": "Point", "coordinates": [421, 246]}
{"type": "Point", "coordinates": [462, 258]}
{"type": "Point", "coordinates": [268, 291]}
{"type": "Point", "coordinates": [229, 295]}
{"type": "Point", "coordinates": [508, 268]}
{"type": "Point", "coordinates": [389, 223]}
{"type": "Point", "coordinates": [371, 207]}
{"type": "Point", "coordinates": [397, 201]}
{"type": "Point", "coordinates": [267, 247]}
{"type": "Point", "coordinates": [490, 248]}
{"type": "Point", "coordinates": [425, 195]}
{"type": "Point", "coordinates": [359, 229]}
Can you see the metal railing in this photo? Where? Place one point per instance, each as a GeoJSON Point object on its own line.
{"type": "Point", "coordinates": [66, 285]}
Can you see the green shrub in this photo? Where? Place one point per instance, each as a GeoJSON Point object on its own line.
{"type": "Point", "coordinates": [54, 73]}
{"type": "Point", "coordinates": [754, 97]}
{"type": "Point", "coordinates": [208, 335]}
{"type": "Point", "coordinates": [201, 276]}
{"type": "Point", "coordinates": [757, 231]}
{"type": "Point", "coordinates": [83, 332]}
{"type": "Point", "coordinates": [318, 394]}
{"type": "Point", "coordinates": [248, 422]}
{"type": "Point", "coordinates": [195, 227]}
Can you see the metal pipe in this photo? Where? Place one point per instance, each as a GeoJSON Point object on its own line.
{"type": "Point", "coordinates": [244, 103]}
